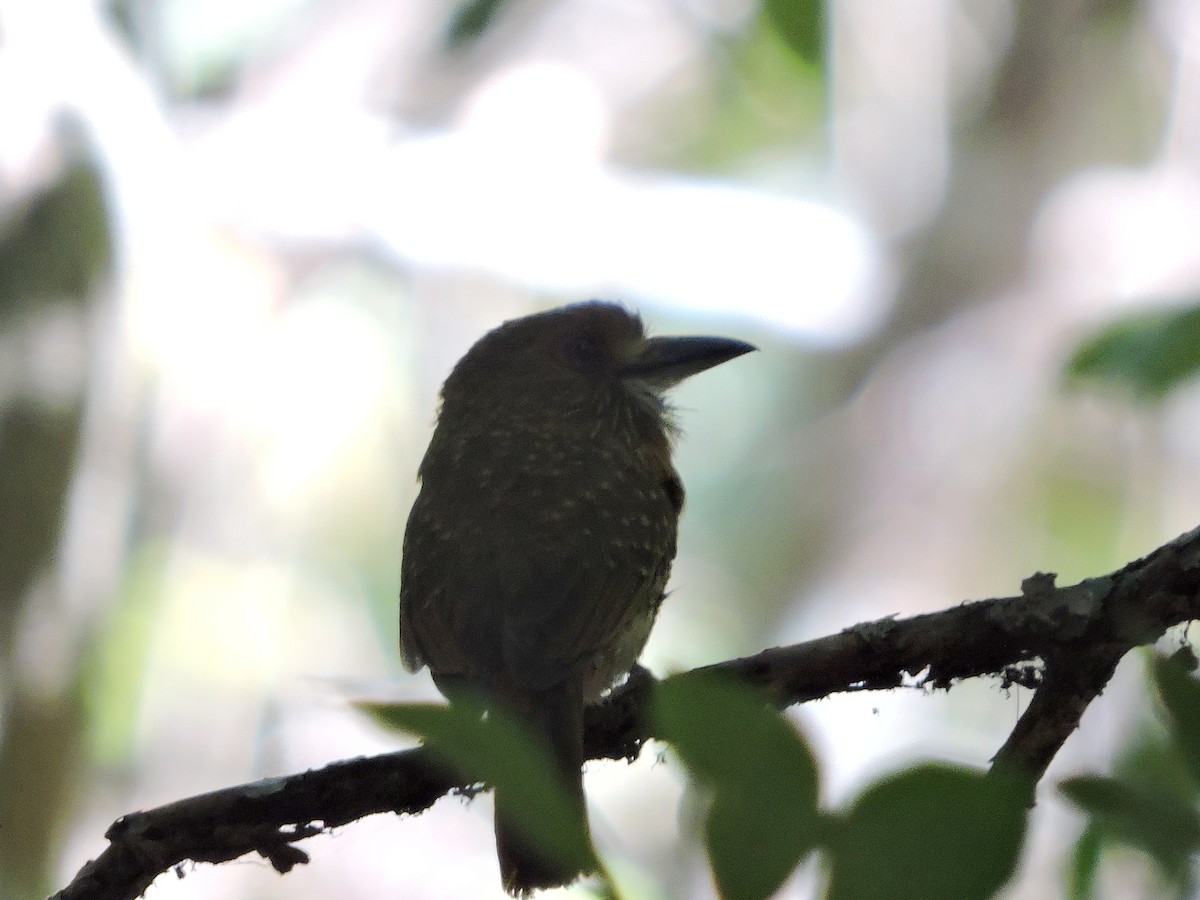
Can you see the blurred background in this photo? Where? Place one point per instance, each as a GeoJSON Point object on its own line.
{"type": "Point", "coordinates": [242, 243]}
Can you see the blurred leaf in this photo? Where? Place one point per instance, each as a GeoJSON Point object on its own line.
{"type": "Point", "coordinates": [763, 818]}
{"type": "Point", "coordinates": [1149, 353]}
{"type": "Point", "coordinates": [1164, 826]}
{"type": "Point", "coordinates": [498, 751]}
{"type": "Point", "coordinates": [1152, 760]}
{"type": "Point", "coordinates": [801, 25]}
{"type": "Point", "coordinates": [766, 100]}
{"type": "Point", "coordinates": [1085, 863]}
{"type": "Point", "coordinates": [1180, 695]}
{"type": "Point", "coordinates": [1149, 802]}
{"type": "Point", "coordinates": [929, 833]}
{"type": "Point", "coordinates": [470, 21]}
{"type": "Point", "coordinates": [58, 245]}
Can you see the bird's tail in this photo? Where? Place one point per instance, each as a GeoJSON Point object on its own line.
{"type": "Point", "coordinates": [528, 862]}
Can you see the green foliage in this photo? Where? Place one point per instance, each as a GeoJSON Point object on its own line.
{"type": "Point", "coordinates": [498, 751]}
{"type": "Point", "coordinates": [1150, 802]}
{"type": "Point", "coordinates": [760, 775]}
{"type": "Point", "coordinates": [930, 832]}
{"type": "Point", "coordinates": [933, 831]}
{"type": "Point", "coordinates": [801, 25]}
{"type": "Point", "coordinates": [767, 99]}
{"type": "Point", "coordinates": [1179, 694]}
{"type": "Point", "coordinates": [1166, 827]}
{"type": "Point", "coordinates": [1148, 354]}
{"type": "Point", "coordinates": [1085, 863]}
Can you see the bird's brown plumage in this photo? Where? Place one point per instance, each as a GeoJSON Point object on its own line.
{"type": "Point", "coordinates": [536, 554]}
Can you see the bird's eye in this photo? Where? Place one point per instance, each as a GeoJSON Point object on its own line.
{"type": "Point", "coordinates": [584, 352]}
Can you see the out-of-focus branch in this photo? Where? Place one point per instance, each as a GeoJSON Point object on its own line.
{"type": "Point", "coordinates": [1080, 632]}
{"type": "Point", "coordinates": [55, 260]}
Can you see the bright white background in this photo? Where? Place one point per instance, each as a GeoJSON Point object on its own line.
{"type": "Point", "coordinates": [317, 208]}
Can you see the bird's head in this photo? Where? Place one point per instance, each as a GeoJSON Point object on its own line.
{"type": "Point", "coordinates": [562, 358]}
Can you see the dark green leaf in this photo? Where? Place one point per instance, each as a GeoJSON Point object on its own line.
{"type": "Point", "coordinates": [1152, 761]}
{"type": "Point", "coordinates": [762, 777]}
{"type": "Point", "coordinates": [501, 753]}
{"type": "Point", "coordinates": [1164, 826]}
{"type": "Point", "coordinates": [1085, 863]}
{"type": "Point", "coordinates": [933, 832]}
{"type": "Point", "coordinates": [1151, 789]}
{"type": "Point", "coordinates": [470, 21]}
{"type": "Point", "coordinates": [801, 25]}
{"type": "Point", "coordinates": [1148, 354]}
{"type": "Point", "coordinates": [1180, 694]}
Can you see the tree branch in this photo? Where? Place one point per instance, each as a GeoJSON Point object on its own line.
{"type": "Point", "coordinates": [1079, 632]}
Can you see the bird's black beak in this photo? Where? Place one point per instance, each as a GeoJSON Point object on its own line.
{"type": "Point", "coordinates": [665, 361]}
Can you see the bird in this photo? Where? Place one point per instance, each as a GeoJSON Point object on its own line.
{"type": "Point", "coordinates": [537, 551]}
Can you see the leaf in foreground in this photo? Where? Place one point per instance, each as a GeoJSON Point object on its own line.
{"type": "Point", "coordinates": [1148, 353]}
{"type": "Point", "coordinates": [1165, 826]}
{"type": "Point", "coordinates": [498, 751]}
{"type": "Point", "coordinates": [1180, 695]}
{"type": "Point", "coordinates": [934, 832]}
{"type": "Point", "coordinates": [762, 778]}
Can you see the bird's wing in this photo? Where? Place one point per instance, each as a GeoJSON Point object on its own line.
{"type": "Point", "coordinates": [433, 620]}
{"type": "Point", "coordinates": [570, 611]}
